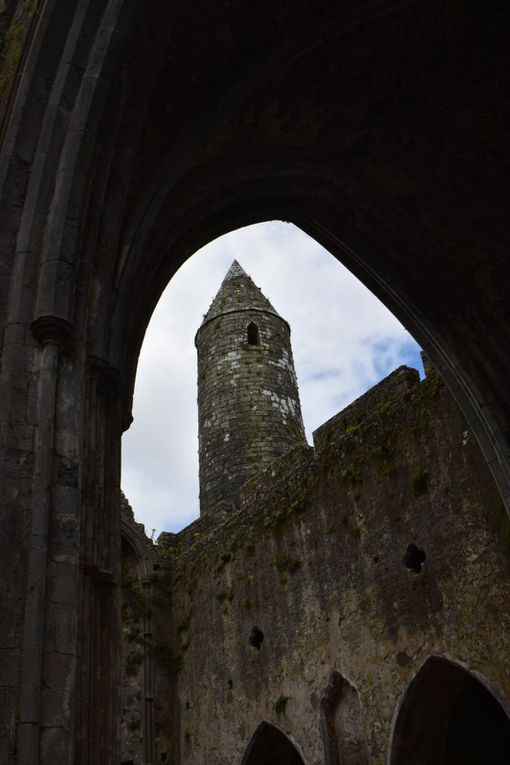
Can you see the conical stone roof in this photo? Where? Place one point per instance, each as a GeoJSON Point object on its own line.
{"type": "Point", "coordinates": [238, 292]}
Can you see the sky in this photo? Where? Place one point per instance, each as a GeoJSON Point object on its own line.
{"type": "Point", "coordinates": [343, 339]}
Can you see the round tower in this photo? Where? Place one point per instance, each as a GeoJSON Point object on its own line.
{"type": "Point", "coordinates": [248, 401]}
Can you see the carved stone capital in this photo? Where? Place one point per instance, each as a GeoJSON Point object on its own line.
{"type": "Point", "coordinates": [52, 329]}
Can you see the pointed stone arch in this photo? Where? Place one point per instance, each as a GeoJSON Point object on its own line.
{"type": "Point", "coordinates": [451, 716]}
{"type": "Point", "coordinates": [341, 724]}
{"type": "Point", "coordinates": [270, 746]}
{"type": "Point", "coordinates": [115, 167]}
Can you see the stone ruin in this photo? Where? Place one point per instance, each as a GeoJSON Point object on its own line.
{"type": "Point", "coordinates": [332, 604]}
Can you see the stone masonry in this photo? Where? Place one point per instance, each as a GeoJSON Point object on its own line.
{"type": "Point", "coordinates": [352, 572]}
{"type": "Point", "coordinates": [132, 134]}
{"type": "Point", "coordinates": [248, 400]}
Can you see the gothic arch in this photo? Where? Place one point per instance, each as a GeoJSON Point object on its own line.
{"type": "Point", "coordinates": [329, 211]}
{"type": "Point", "coordinates": [450, 715]}
{"type": "Point", "coordinates": [269, 746]}
{"type": "Point", "coordinates": [341, 210]}
{"type": "Point", "coordinates": [143, 550]}
{"type": "Point", "coordinates": [132, 136]}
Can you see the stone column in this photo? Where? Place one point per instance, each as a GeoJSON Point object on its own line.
{"type": "Point", "coordinates": [53, 334]}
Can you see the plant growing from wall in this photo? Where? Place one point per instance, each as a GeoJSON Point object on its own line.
{"type": "Point", "coordinates": [386, 411]}
{"type": "Point", "coordinates": [280, 705]}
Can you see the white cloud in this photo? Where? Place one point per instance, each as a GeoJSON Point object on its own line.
{"type": "Point", "coordinates": [344, 341]}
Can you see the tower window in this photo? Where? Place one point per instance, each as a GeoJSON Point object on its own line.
{"type": "Point", "coordinates": [253, 334]}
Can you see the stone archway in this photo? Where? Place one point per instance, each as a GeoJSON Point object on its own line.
{"type": "Point", "coordinates": [269, 746]}
{"type": "Point", "coordinates": [449, 716]}
{"type": "Point", "coordinates": [133, 134]}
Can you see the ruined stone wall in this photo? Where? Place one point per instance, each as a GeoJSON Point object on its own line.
{"type": "Point", "coordinates": [147, 697]}
{"type": "Point", "coordinates": [318, 560]}
{"type": "Point", "coordinates": [132, 655]}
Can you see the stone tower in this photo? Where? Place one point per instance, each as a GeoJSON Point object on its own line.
{"type": "Point", "coordinates": [248, 401]}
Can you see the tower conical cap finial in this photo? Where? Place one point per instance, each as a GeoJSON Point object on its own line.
{"type": "Point", "coordinates": [235, 270]}
{"type": "Point", "coordinates": [238, 293]}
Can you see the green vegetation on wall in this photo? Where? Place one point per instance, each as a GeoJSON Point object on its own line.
{"type": "Point", "coordinates": [12, 42]}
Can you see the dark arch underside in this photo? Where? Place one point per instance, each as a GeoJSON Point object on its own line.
{"type": "Point", "coordinates": [448, 717]}
{"type": "Point", "coordinates": [269, 746]}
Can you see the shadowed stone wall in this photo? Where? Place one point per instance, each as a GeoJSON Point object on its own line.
{"type": "Point", "coordinates": [134, 133]}
{"type": "Point", "coordinates": [355, 561]}
{"type": "Point", "coordinates": [133, 606]}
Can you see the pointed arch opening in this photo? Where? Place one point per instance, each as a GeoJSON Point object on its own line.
{"type": "Point", "coordinates": [449, 716]}
{"type": "Point", "coordinates": [269, 746]}
{"type": "Point", "coordinates": [331, 369]}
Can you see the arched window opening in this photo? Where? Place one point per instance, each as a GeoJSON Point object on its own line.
{"type": "Point", "coordinates": [253, 334]}
{"type": "Point", "coordinates": [269, 746]}
{"type": "Point", "coordinates": [448, 716]}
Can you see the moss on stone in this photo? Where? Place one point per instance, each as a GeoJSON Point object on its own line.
{"type": "Point", "coordinates": [280, 705]}
{"type": "Point", "coordinates": [352, 476]}
{"type": "Point", "coordinates": [12, 48]}
{"type": "Point", "coordinates": [388, 469]}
